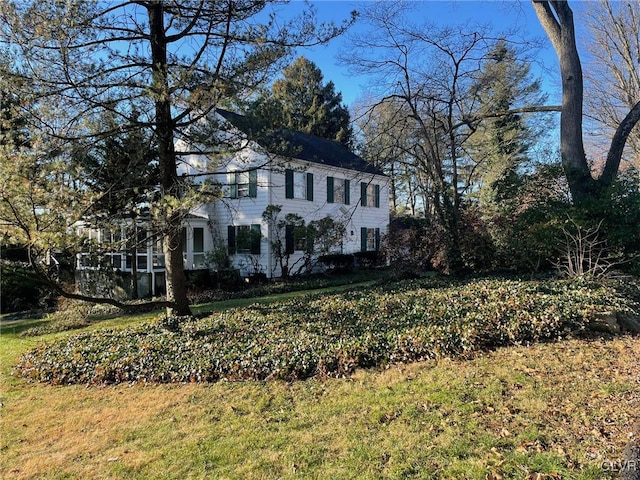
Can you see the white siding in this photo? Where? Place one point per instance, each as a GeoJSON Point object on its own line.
{"type": "Point", "coordinates": [271, 191]}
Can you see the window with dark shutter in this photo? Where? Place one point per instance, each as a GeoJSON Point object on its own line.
{"type": "Point", "coordinates": [243, 184]}
{"type": "Point", "coordinates": [253, 183]}
{"type": "Point", "coordinates": [369, 239]}
{"type": "Point", "coordinates": [347, 192]}
{"type": "Point", "coordinates": [289, 240]}
{"type": "Point", "coordinates": [231, 239]}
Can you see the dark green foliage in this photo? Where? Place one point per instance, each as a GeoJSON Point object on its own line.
{"type": "Point", "coordinates": [525, 225]}
{"type": "Point", "coordinates": [408, 244]}
{"type": "Point", "coordinates": [370, 259]}
{"type": "Point", "coordinates": [302, 101]}
{"type": "Point", "coordinates": [329, 335]}
{"type": "Point", "coordinates": [620, 214]}
{"type": "Point", "coordinates": [70, 315]}
{"type": "Point", "coordinates": [476, 244]}
{"type": "Point", "coordinates": [534, 212]}
{"type": "Point", "coordinates": [20, 288]}
{"type": "Point", "coordinates": [300, 283]}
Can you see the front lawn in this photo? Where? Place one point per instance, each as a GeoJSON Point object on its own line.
{"type": "Point", "coordinates": [559, 409]}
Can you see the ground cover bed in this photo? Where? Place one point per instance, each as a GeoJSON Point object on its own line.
{"type": "Point", "coordinates": [332, 335]}
{"type": "Point", "coordinates": [534, 411]}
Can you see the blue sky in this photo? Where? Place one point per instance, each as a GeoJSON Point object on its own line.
{"type": "Point", "coordinates": [501, 14]}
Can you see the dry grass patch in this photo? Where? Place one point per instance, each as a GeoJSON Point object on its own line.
{"type": "Point", "coordinates": [558, 410]}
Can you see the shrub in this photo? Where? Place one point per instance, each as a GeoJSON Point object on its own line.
{"type": "Point", "coordinates": [476, 245]}
{"type": "Point", "coordinates": [337, 262]}
{"type": "Point", "coordinates": [408, 246]}
{"type": "Point", "coordinates": [329, 335]}
{"type": "Point", "coordinates": [368, 259]}
{"type": "Point", "coordinates": [69, 315]}
{"type": "Point", "coordinates": [20, 289]}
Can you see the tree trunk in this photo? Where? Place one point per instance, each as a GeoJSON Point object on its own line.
{"type": "Point", "coordinates": [561, 32]}
{"type": "Point", "coordinates": [169, 184]}
{"type": "Point", "coordinates": [617, 146]}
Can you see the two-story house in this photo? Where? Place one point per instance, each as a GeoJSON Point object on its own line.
{"type": "Point", "coordinates": [311, 177]}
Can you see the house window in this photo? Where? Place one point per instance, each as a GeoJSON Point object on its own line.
{"type": "Point", "coordinates": [158, 254]}
{"type": "Point", "coordinates": [243, 184]}
{"type": "Point", "coordinates": [198, 247]}
{"type": "Point", "coordinates": [369, 195]}
{"type": "Point", "coordinates": [338, 190]}
{"type": "Point", "coordinates": [370, 239]}
{"type": "Point", "coordinates": [296, 239]}
{"type": "Point", "coordinates": [184, 246]}
{"type": "Point", "coordinates": [244, 239]}
{"type": "Point", "coordinates": [141, 250]}
{"type": "Point", "coordinates": [298, 185]}
{"type": "Point", "coordinates": [116, 260]}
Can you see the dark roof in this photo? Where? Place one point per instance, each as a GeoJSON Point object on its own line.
{"type": "Point", "coordinates": [299, 145]}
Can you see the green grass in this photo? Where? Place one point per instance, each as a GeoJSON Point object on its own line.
{"type": "Point", "coordinates": [554, 410]}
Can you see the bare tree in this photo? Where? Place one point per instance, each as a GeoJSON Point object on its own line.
{"type": "Point", "coordinates": [429, 75]}
{"type": "Point", "coordinates": [556, 17]}
{"type": "Point", "coordinates": [385, 129]}
{"type": "Point", "coordinates": [174, 60]}
{"type": "Point", "coordinates": [612, 75]}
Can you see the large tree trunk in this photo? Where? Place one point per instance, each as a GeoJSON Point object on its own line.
{"type": "Point", "coordinates": [169, 184]}
{"type": "Point", "coordinates": [561, 32]}
{"type": "Point", "coordinates": [556, 18]}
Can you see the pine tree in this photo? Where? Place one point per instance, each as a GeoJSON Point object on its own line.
{"type": "Point", "coordinates": [301, 101]}
{"type": "Point", "coordinates": [500, 144]}
{"type": "Point", "coordinates": [175, 61]}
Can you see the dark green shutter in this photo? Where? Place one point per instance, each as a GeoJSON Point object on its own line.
{"type": "Point", "coordinates": [329, 189]}
{"type": "Point", "coordinates": [377, 190]}
{"type": "Point", "coordinates": [363, 194]}
{"type": "Point", "coordinates": [288, 183]}
{"type": "Point", "coordinates": [289, 246]}
{"type": "Point", "coordinates": [310, 187]}
{"type": "Point", "coordinates": [363, 239]}
{"type": "Point", "coordinates": [253, 183]}
{"type": "Point", "coordinates": [347, 192]}
{"type": "Point", "coordinates": [377, 239]}
{"type": "Point", "coordinates": [256, 239]}
{"type": "Point", "coordinates": [231, 239]}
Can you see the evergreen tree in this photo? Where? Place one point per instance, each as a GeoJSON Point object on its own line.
{"type": "Point", "coordinates": [301, 101]}
{"type": "Point", "coordinates": [500, 144]}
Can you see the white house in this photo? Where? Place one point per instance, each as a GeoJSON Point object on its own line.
{"type": "Point", "coordinates": [308, 176]}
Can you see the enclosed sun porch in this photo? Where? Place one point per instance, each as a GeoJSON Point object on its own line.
{"type": "Point", "coordinates": [117, 254]}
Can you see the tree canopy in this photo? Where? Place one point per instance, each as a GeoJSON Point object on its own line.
{"type": "Point", "coordinates": [159, 66]}
{"type": "Point", "coordinates": [300, 100]}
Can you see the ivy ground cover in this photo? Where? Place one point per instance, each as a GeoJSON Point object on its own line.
{"type": "Point", "coordinates": [330, 335]}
